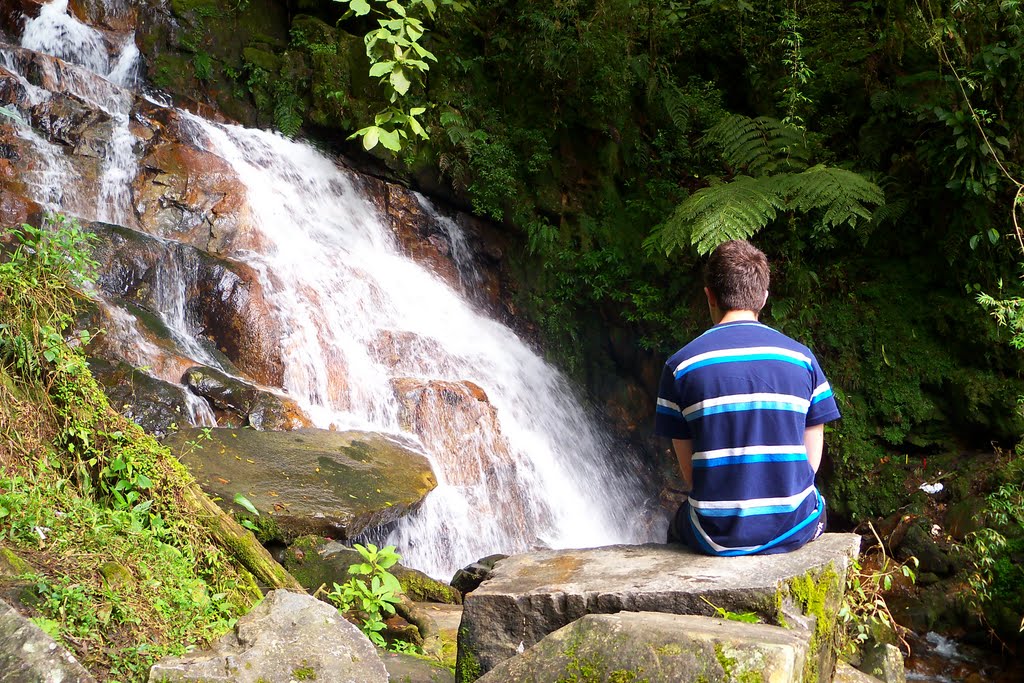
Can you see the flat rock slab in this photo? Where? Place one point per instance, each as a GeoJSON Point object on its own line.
{"type": "Point", "coordinates": [659, 648]}
{"type": "Point", "coordinates": [287, 637]}
{"type": "Point", "coordinates": [405, 668]}
{"type": "Point", "coordinates": [28, 655]}
{"type": "Point", "coordinates": [531, 595]}
{"type": "Point", "coordinates": [312, 481]}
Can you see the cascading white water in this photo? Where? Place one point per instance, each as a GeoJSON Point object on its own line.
{"type": "Point", "coordinates": [343, 282]}
{"type": "Point", "coordinates": [339, 284]}
{"type": "Point", "coordinates": [57, 32]}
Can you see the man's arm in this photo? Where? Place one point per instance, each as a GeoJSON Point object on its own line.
{"type": "Point", "coordinates": [684, 454]}
{"type": "Point", "coordinates": [814, 441]}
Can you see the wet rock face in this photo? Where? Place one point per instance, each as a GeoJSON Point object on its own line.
{"type": "Point", "coordinates": [14, 14]}
{"type": "Point", "coordinates": [156, 406]}
{"type": "Point", "coordinates": [287, 637]}
{"type": "Point", "coordinates": [311, 481]}
{"type": "Point", "coordinates": [16, 206]}
{"type": "Point", "coordinates": [112, 15]}
{"type": "Point", "coordinates": [238, 403]}
{"type": "Point", "coordinates": [191, 196]}
{"type": "Point", "coordinates": [224, 301]}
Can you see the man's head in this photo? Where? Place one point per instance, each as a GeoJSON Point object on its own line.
{"type": "Point", "coordinates": [736, 277]}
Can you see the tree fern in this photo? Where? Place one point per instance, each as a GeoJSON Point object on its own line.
{"type": "Point", "coordinates": [739, 208]}
{"type": "Point", "coordinates": [723, 211]}
{"type": "Point", "coordinates": [841, 194]}
{"type": "Point", "coordinates": [759, 146]}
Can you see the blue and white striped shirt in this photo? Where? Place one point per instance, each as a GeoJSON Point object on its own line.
{"type": "Point", "coordinates": [745, 393]}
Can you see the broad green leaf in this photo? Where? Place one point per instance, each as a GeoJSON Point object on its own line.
{"type": "Point", "coordinates": [417, 128]}
{"type": "Point", "coordinates": [416, 111]}
{"type": "Point", "coordinates": [143, 482]}
{"type": "Point", "coordinates": [390, 140]}
{"type": "Point", "coordinates": [370, 137]}
{"type": "Point", "coordinates": [399, 81]}
{"type": "Point", "coordinates": [381, 68]}
{"type": "Point", "coordinates": [245, 503]}
{"type": "Point", "coordinates": [396, 8]}
{"type": "Point", "coordinates": [360, 7]}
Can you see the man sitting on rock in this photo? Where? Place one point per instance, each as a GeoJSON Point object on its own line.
{"type": "Point", "coordinates": [745, 407]}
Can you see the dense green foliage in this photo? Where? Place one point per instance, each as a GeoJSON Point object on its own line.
{"type": "Point", "coordinates": [111, 562]}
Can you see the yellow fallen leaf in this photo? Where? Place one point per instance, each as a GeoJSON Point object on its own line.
{"type": "Point", "coordinates": [273, 494]}
{"type": "Point", "coordinates": [253, 462]}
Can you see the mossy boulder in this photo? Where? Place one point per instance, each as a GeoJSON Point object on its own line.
{"type": "Point", "coordinates": [630, 647]}
{"type": "Point", "coordinates": [317, 561]}
{"type": "Point", "coordinates": [309, 481]}
{"type": "Point", "coordinates": [531, 595]}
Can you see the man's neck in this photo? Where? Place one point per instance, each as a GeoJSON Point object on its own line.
{"type": "Point", "coordinates": [736, 316]}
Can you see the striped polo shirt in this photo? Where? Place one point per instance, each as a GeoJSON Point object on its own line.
{"type": "Point", "coordinates": [745, 393]}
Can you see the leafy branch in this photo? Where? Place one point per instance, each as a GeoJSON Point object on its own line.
{"type": "Point", "coordinates": [398, 59]}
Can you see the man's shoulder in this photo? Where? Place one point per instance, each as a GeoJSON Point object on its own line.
{"type": "Point", "coordinates": [737, 336]}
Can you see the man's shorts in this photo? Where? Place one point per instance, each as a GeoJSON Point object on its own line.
{"type": "Point", "coordinates": [681, 531]}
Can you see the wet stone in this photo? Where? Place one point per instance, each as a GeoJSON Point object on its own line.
{"type": "Point", "coordinates": [28, 655]}
{"type": "Point", "coordinates": [309, 481]}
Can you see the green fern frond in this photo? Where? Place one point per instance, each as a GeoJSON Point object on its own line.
{"type": "Point", "coordinates": [759, 146]}
{"type": "Point", "coordinates": [287, 116]}
{"type": "Point", "coordinates": [676, 107]}
{"type": "Point", "coordinates": [721, 212]}
{"type": "Point", "coordinates": [841, 194]}
{"type": "Point", "coordinates": [890, 212]}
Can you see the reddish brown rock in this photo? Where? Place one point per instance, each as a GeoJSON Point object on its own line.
{"type": "Point", "coordinates": [398, 350]}
{"type": "Point", "coordinates": [195, 197]}
{"type": "Point", "coordinates": [112, 16]}
{"type": "Point", "coordinates": [14, 14]}
{"type": "Point", "coordinates": [417, 235]}
{"type": "Point", "coordinates": [16, 206]}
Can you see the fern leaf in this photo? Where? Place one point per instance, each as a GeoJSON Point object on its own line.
{"type": "Point", "coordinates": [721, 212]}
{"type": "Point", "coordinates": [759, 146]}
{"type": "Point", "coordinates": [841, 194]}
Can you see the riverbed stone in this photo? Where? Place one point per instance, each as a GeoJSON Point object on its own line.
{"type": "Point", "coordinates": [531, 595]}
{"type": "Point", "coordinates": [659, 648]}
{"type": "Point", "coordinates": [405, 668]}
{"type": "Point", "coordinates": [29, 655]}
{"type": "Point", "coordinates": [153, 404]}
{"type": "Point", "coordinates": [287, 637]}
{"type": "Point", "coordinates": [309, 481]}
{"type": "Point", "coordinates": [884, 661]}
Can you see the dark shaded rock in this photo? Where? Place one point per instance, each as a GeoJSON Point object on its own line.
{"type": "Point", "coordinates": [249, 405]}
{"type": "Point", "coordinates": [315, 562]}
{"type": "Point", "coordinates": [918, 542]}
{"type": "Point", "coordinates": [660, 648]}
{"type": "Point", "coordinates": [404, 668]}
{"type": "Point", "coordinates": [287, 637]}
{"type": "Point", "coordinates": [310, 481]}
{"type": "Point", "coordinates": [470, 577]}
{"type": "Point", "coordinates": [531, 595]}
{"type": "Point", "coordinates": [14, 14]}
{"type": "Point", "coordinates": [151, 403]}
{"type": "Point", "coordinates": [962, 518]}
{"type": "Point", "coordinates": [28, 655]}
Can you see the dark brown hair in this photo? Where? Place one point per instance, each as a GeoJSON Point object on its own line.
{"type": "Point", "coordinates": [737, 274]}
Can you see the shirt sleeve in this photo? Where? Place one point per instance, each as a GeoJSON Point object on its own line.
{"type": "Point", "coordinates": [668, 420]}
{"type": "Point", "coordinates": [823, 406]}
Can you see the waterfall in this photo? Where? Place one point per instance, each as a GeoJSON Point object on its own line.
{"type": "Point", "coordinates": [340, 287]}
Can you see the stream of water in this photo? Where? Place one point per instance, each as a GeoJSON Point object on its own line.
{"type": "Point", "coordinates": [338, 282]}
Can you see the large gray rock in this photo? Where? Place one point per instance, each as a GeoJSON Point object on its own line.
{"type": "Point", "coordinates": [531, 595]}
{"type": "Point", "coordinates": [310, 481]}
{"type": "Point", "coordinates": [287, 637]}
{"type": "Point", "coordinates": [28, 655]}
{"type": "Point", "coordinates": [659, 648]}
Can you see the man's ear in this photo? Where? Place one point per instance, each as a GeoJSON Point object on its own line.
{"type": "Point", "coordinates": [712, 300]}
{"type": "Point", "coordinates": [765, 300]}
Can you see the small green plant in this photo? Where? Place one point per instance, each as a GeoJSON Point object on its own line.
{"type": "Point", "coordinates": [722, 613]}
{"type": "Point", "coordinates": [864, 610]}
{"type": "Point", "coordinates": [370, 602]}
